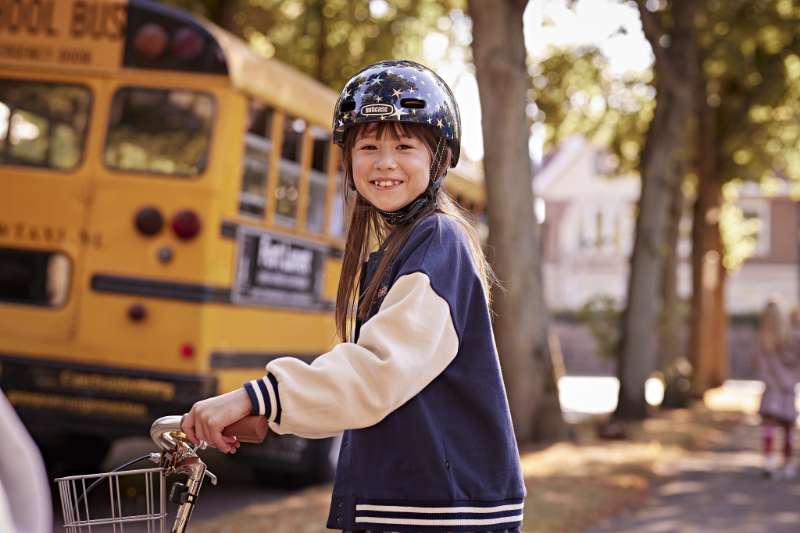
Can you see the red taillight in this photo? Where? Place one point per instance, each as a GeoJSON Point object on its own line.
{"type": "Point", "coordinates": [150, 41]}
{"type": "Point", "coordinates": [149, 221]}
{"type": "Point", "coordinates": [187, 350]}
{"type": "Point", "coordinates": [187, 44]}
{"type": "Point", "coordinates": [186, 224]}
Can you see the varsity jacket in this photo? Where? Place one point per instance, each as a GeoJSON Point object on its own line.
{"type": "Point", "coordinates": [428, 443]}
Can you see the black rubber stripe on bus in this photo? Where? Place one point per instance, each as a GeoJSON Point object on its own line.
{"type": "Point", "coordinates": [228, 230]}
{"type": "Point", "coordinates": [189, 292]}
{"type": "Point", "coordinates": [251, 359]}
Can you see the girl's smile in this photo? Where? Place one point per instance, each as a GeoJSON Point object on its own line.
{"type": "Point", "coordinates": [390, 171]}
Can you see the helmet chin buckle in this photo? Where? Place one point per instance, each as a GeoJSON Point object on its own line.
{"type": "Point", "coordinates": [413, 209]}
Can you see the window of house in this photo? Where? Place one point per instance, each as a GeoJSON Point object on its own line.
{"type": "Point", "coordinates": [756, 215]}
{"type": "Point", "coordinates": [601, 229]}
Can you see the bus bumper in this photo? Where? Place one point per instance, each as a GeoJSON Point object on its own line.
{"type": "Point", "coordinates": [51, 396]}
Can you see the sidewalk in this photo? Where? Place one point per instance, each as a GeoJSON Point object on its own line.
{"type": "Point", "coordinates": [719, 489]}
{"type": "Point", "coordinates": [680, 471]}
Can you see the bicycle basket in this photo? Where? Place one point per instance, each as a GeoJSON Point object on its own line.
{"type": "Point", "coordinates": [132, 497]}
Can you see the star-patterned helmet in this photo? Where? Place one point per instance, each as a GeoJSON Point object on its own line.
{"type": "Point", "coordinates": [399, 91]}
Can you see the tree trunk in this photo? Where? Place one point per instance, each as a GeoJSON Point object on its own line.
{"type": "Point", "coordinates": [521, 323]}
{"type": "Point", "coordinates": [322, 42]}
{"type": "Point", "coordinates": [666, 144]}
{"type": "Point", "coordinates": [708, 340]}
{"type": "Point", "coordinates": [721, 360]}
{"type": "Point", "coordinates": [671, 331]}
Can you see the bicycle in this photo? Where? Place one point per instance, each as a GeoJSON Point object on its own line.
{"type": "Point", "coordinates": [177, 456]}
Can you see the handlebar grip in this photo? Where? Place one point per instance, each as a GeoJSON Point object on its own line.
{"type": "Point", "coordinates": [162, 429]}
{"type": "Point", "coordinates": [250, 429]}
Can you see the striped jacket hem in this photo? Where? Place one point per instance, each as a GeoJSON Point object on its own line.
{"type": "Point", "coordinates": [506, 515]}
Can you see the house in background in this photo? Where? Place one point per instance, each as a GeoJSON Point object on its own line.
{"type": "Point", "coordinates": [589, 224]}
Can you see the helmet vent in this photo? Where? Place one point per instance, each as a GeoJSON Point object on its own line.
{"type": "Point", "coordinates": [412, 103]}
{"type": "Point", "coordinates": [347, 106]}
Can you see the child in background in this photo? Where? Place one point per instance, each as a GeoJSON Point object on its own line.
{"type": "Point", "coordinates": [428, 442]}
{"type": "Point", "coordinates": [777, 365]}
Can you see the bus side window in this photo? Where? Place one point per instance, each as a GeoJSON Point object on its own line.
{"type": "Point", "coordinates": [339, 211]}
{"type": "Point", "coordinates": [318, 180]}
{"type": "Point", "coordinates": [257, 149]}
{"type": "Point", "coordinates": [287, 191]}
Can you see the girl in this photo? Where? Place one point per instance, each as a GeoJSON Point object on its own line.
{"type": "Point", "coordinates": [428, 443]}
{"type": "Point", "coordinates": [777, 367]}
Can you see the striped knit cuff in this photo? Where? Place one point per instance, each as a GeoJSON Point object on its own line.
{"type": "Point", "coordinates": [264, 399]}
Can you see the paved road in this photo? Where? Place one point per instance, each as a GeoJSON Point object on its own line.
{"type": "Point", "coordinates": [721, 490]}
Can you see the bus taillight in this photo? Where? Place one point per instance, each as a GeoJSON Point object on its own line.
{"type": "Point", "coordinates": [186, 224]}
{"type": "Point", "coordinates": [149, 221]}
{"type": "Point", "coordinates": [187, 44]}
{"type": "Point", "coordinates": [150, 41]}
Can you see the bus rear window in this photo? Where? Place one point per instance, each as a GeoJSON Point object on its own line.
{"type": "Point", "coordinates": [34, 277]}
{"type": "Point", "coordinates": [159, 131]}
{"type": "Point", "coordinates": [43, 124]}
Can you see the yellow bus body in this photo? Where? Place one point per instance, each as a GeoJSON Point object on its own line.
{"type": "Point", "coordinates": [87, 358]}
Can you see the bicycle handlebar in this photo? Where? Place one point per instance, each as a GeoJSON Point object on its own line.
{"type": "Point", "coordinates": [251, 429]}
{"type": "Point", "coordinates": [162, 429]}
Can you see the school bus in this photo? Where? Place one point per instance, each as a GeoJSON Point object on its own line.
{"type": "Point", "coordinates": [172, 218]}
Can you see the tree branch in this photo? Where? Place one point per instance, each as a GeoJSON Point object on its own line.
{"type": "Point", "coordinates": [653, 31]}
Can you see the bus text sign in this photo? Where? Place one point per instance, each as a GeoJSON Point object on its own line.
{"type": "Point", "coordinates": [62, 33]}
{"type": "Point", "coordinates": [277, 270]}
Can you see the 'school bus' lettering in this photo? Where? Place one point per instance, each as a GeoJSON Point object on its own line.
{"type": "Point", "coordinates": [62, 33]}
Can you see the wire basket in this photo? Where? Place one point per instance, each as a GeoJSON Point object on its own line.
{"type": "Point", "coordinates": [115, 511]}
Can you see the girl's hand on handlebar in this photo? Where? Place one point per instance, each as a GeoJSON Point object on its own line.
{"type": "Point", "coordinates": [209, 417]}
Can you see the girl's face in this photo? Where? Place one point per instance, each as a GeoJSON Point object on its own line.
{"type": "Point", "coordinates": [391, 171]}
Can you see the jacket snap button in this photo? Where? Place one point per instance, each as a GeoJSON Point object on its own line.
{"type": "Point", "coordinates": [447, 464]}
{"type": "Point", "coordinates": [339, 520]}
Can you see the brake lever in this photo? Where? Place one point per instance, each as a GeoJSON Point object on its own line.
{"type": "Point", "coordinates": [211, 477]}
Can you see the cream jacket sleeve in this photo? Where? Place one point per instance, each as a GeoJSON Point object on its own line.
{"type": "Point", "coordinates": [400, 350]}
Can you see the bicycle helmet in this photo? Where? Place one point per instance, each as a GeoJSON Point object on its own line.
{"type": "Point", "coordinates": [407, 92]}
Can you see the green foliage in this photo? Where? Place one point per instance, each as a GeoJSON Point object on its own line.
{"type": "Point", "coordinates": [752, 69]}
{"type": "Point", "coordinates": [601, 314]}
{"type": "Point", "coordinates": [330, 39]}
{"type": "Point", "coordinates": [751, 63]}
{"type": "Point", "coordinates": [739, 233]}
{"type": "Point", "coordinates": [574, 93]}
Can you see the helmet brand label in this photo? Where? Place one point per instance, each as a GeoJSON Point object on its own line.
{"type": "Point", "coordinates": [372, 110]}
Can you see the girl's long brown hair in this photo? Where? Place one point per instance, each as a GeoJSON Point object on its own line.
{"type": "Point", "coordinates": [367, 229]}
